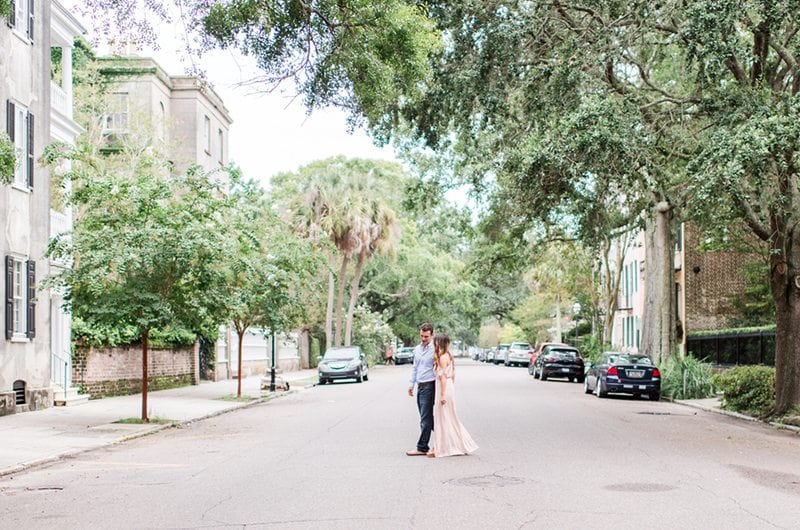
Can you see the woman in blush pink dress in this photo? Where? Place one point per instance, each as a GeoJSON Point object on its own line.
{"type": "Point", "coordinates": [450, 438]}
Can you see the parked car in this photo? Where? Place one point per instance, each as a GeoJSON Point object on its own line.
{"type": "Point", "coordinates": [343, 363]}
{"type": "Point", "coordinates": [559, 361]}
{"type": "Point", "coordinates": [404, 355]}
{"type": "Point", "coordinates": [491, 353]}
{"type": "Point", "coordinates": [518, 354]}
{"type": "Point", "coordinates": [623, 373]}
{"type": "Point", "coordinates": [538, 350]}
{"type": "Point", "coordinates": [500, 353]}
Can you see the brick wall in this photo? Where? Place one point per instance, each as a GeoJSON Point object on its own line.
{"type": "Point", "coordinates": [118, 371]}
{"type": "Point", "coordinates": [712, 279]}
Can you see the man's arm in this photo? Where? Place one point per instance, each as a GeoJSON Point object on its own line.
{"type": "Point", "coordinates": [413, 379]}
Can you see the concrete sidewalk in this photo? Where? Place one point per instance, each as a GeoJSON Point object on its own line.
{"type": "Point", "coordinates": [35, 438]}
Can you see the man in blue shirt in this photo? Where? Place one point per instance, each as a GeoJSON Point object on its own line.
{"type": "Point", "coordinates": [423, 377]}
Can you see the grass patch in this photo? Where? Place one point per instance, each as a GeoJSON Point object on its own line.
{"type": "Point", "coordinates": [243, 399]}
{"type": "Point", "coordinates": [138, 421]}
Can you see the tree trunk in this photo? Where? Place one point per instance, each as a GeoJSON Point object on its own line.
{"type": "Point", "coordinates": [785, 283]}
{"type": "Point", "coordinates": [612, 283]}
{"type": "Point", "coordinates": [658, 331]}
{"type": "Point", "coordinates": [240, 332]}
{"type": "Point", "coordinates": [340, 301]}
{"type": "Point", "coordinates": [351, 310]}
{"type": "Point", "coordinates": [557, 337]}
{"type": "Point", "coordinates": [329, 311]}
{"type": "Point", "coordinates": [145, 337]}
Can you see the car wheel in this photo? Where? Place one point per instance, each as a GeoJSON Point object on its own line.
{"type": "Point", "coordinates": [598, 389]}
{"type": "Point", "coordinates": [366, 377]}
{"type": "Point", "coordinates": [322, 381]}
{"type": "Point", "coordinates": [655, 396]}
{"type": "Point", "coordinates": [586, 389]}
{"type": "Point", "coordinates": [359, 378]}
{"type": "Point", "coordinates": [542, 375]}
{"type": "Point", "coordinates": [571, 379]}
{"type": "Point", "coordinates": [581, 379]}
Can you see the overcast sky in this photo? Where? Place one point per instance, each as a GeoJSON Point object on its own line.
{"type": "Point", "coordinates": [270, 132]}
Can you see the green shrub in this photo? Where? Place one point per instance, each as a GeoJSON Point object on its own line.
{"type": "Point", "coordinates": [686, 378]}
{"type": "Point", "coordinates": [748, 389]}
{"type": "Point", "coordinates": [110, 336]}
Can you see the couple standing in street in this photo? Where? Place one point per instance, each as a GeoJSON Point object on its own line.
{"type": "Point", "coordinates": [433, 373]}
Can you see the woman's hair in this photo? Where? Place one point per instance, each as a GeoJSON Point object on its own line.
{"type": "Point", "coordinates": [441, 345]}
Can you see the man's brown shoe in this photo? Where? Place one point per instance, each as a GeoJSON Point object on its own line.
{"type": "Point", "coordinates": [415, 453]}
{"type": "Point", "coordinates": [431, 455]}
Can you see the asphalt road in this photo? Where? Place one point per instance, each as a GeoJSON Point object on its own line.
{"type": "Point", "coordinates": [334, 457]}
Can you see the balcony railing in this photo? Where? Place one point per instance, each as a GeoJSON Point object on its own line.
{"type": "Point", "coordinates": [59, 100]}
{"type": "Point", "coordinates": [59, 223]}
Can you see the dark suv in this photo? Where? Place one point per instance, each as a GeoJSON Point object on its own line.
{"type": "Point", "coordinates": [559, 361]}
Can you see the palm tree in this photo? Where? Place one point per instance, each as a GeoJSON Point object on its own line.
{"type": "Point", "coordinates": [379, 235]}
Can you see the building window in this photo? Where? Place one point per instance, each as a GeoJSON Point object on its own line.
{"type": "Point", "coordinates": [221, 146]}
{"type": "Point", "coordinates": [20, 18]}
{"type": "Point", "coordinates": [19, 127]}
{"type": "Point", "coordinates": [207, 134]}
{"type": "Point", "coordinates": [20, 298]}
{"type": "Point", "coordinates": [117, 119]}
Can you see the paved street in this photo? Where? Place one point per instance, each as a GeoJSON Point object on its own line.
{"type": "Point", "coordinates": [333, 457]}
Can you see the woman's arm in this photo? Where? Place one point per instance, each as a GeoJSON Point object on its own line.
{"type": "Point", "coordinates": [445, 360]}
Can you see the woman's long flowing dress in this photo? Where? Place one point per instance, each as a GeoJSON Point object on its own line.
{"type": "Point", "coordinates": [450, 438]}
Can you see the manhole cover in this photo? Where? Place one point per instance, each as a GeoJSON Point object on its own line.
{"type": "Point", "coordinates": [640, 487]}
{"type": "Point", "coordinates": [487, 481]}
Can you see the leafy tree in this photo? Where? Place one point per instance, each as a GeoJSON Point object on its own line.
{"type": "Point", "coordinates": [356, 54]}
{"type": "Point", "coordinates": [145, 247]}
{"type": "Point", "coordinates": [561, 105]}
{"type": "Point", "coordinates": [755, 303]}
{"type": "Point", "coordinates": [268, 269]}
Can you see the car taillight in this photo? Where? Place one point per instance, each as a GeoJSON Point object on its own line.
{"type": "Point", "coordinates": [550, 359]}
{"type": "Point", "coordinates": [613, 371]}
{"type": "Point", "coordinates": [656, 373]}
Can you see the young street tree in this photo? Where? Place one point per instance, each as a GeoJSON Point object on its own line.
{"type": "Point", "coordinates": [268, 269]}
{"type": "Point", "coordinates": [146, 246]}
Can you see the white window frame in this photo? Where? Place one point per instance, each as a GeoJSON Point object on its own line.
{"type": "Point", "coordinates": [117, 120]}
{"type": "Point", "coordinates": [20, 297]}
{"type": "Point", "coordinates": [21, 15]}
{"type": "Point", "coordinates": [21, 177]}
{"type": "Point", "coordinates": [220, 137]}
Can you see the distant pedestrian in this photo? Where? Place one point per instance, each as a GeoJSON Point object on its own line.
{"type": "Point", "coordinates": [389, 355]}
{"type": "Point", "coordinates": [423, 378]}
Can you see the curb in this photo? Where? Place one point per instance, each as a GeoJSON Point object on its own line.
{"type": "Point", "coordinates": [739, 416]}
{"type": "Point", "coordinates": [25, 466]}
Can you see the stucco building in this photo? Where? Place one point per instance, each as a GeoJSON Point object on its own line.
{"type": "Point", "coordinates": [37, 112]}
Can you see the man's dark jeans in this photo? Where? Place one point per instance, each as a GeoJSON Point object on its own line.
{"type": "Point", "coordinates": [426, 395]}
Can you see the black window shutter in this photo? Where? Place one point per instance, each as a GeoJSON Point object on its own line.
{"type": "Point", "coordinates": [12, 14]}
{"type": "Point", "coordinates": [31, 331]}
{"type": "Point", "coordinates": [30, 150]}
{"type": "Point", "coordinates": [9, 297]}
{"type": "Point", "coordinates": [30, 19]}
{"type": "Point", "coordinates": [10, 120]}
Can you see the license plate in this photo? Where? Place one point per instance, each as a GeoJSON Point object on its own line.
{"type": "Point", "coordinates": [642, 387]}
{"type": "Point", "coordinates": [565, 369]}
{"type": "Point", "coordinates": [635, 373]}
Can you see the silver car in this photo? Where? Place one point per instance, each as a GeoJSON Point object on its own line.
{"type": "Point", "coordinates": [518, 354]}
{"type": "Point", "coordinates": [343, 363]}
